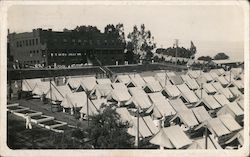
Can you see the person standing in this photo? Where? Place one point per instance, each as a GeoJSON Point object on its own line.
{"type": "Point", "coordinates": [28, 122]}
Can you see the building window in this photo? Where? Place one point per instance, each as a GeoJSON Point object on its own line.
{"type": "Point", "coordinates": [33, 41]}
{"type": "Point", "coordinates": [105, 42]}
{"type": "Point", "coordinates": [26, 42]}
{"type": "Point", "coordinates": [30, 42]}
{"type": "Point", "coordinates": [37, 51]}
{"type": "Point", "coordinates": [36, 41]}
{"type": "Point", "coordinates": [17, 45]}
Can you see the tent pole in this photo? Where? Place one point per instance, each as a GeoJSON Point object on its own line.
{"type": "Point", "coordinates": [50, 94]}
{"type": "Point", "coordinates": [88, 108]}
{"type": "Point", "coordinates": [137, 131]}
{"type": "Point", "coordinates": [206, 137]}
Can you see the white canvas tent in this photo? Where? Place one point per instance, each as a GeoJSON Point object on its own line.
{"type": "Point", "coordinates": [58, 92]}
{"type": "Point", "coordinates": [201, 114]}
{"type": "Point", "coordinates": [187, 94]}
{"type": "Point", "coordinates": [200, 143]}
{"type": "Point", "coordinates": [136, 81]}
{"type": "Point", "coordinates": [221, 99]}
{"type": "Point", "coordinates": [74, 82]}
{"type": "Point", "coordinates": [74, 100]}
{"type": "Point", "coordinates": [119, 95]}
{"type": "Point", "coordinates": [171, 137]}
{"type": "Point", "coordinates": [88, 83]}
{"type": "Point", "coordinates": [101, 90]}
{"type": "Point", "coordinates": [171, 91]}
{"type": "Point", "coordinates": [41, 88]}
{"type": "Point", "coordinates": [178, 105]}
{"type": "Point", "coordinates": [93, 106]}
{"type": "Point", "coordinates": [187, 117]}
{"type": "Point", "coordinates": [191, 83]}
{"type": "Point", "coordinates": [103, 81]}
{"type": "Point", "coordinates": [139, 98]}
{"type": "Point", "coordinates": [122, 79]}
{"type": "Point", "coordinates": [146, 127]}
{"type": "Point", "coordinates": [29, 84]}
{"type": "Point", "coordinates": [232, 108]}
{"type": "Point", "coordinates": [161, 106]}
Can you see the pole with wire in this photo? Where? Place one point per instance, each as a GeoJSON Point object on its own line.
{"type": "Point", "coordinates": [88, 107]}
{"type": "Point", "coordinates": [176, 51]}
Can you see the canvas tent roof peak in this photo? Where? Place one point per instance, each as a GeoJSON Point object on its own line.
{"type": "Point", "coordinates": [188, 94]}
{"type": "Point", "coordinates": [172, 90]}
{"type": "Point", "coordinates": [171, 137]}
{"type": "Point", "coordinates": [103, 81]}
{"type": "Point", "coordinates": [122, 79]}
{"type": "Point", "coordinates": [147, 127]}
{"type": "Point", "coordinates": [77, 99]}
{"type": "Point", "coordinates": [178, 105]}
{"type": "Point", "coordinates": [58, 92]}
{"type": "Point", "coordinates": [88, 83]}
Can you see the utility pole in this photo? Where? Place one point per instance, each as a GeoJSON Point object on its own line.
{"type": "Point", "coordinates": [176, 44]}
{"type": "Point", "coordinates": [88, 107]}
{"type": "Point", "coordinates": [137, 132]}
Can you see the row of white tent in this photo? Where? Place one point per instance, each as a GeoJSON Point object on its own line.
{"type": "Point", "coordinates": [164, 95]}
{"type": "Point", "coordinates": [174, 137]}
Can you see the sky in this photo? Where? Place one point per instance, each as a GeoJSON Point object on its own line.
{"type": "Point", "coordinates": [213, 29]}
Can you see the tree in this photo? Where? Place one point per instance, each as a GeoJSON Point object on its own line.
{"type": "Point", "coordinates": [108, 131]}
{"type": "Point", "coordinates": [221, 56]}
{"type": "Point", "coordinates": [205, 58]}
{"type": "Point", "coordinates": [182, 52]}
{"type": "Point", "coordinates": [142, 42]}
